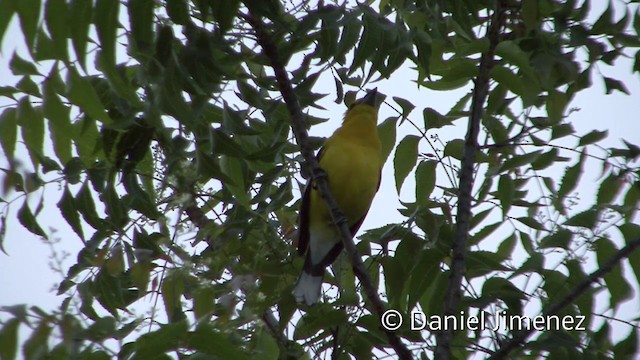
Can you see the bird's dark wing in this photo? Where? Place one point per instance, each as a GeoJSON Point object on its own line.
{"type": "Point", "coordinates": [303, 215]}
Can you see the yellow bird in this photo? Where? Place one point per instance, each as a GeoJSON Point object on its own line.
{"type": "Point", "coordinates": [352, 160]}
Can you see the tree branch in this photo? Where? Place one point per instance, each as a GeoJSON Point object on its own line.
{"type": "Point", "coordinates": [521, 336]}
{"type": "Point", "coordinates": [463, 217]}
{"type": "Point", "coordinates": [319, 177]}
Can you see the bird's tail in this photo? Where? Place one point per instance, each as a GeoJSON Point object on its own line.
{"type": "Point", "coordinates": [308, 287]}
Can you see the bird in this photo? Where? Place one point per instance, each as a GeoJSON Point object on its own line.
{"type": "Point", "coordinates": [352, 161]}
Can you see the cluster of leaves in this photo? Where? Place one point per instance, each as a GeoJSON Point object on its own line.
{"type": "Point", "coordinates": [176, 169]}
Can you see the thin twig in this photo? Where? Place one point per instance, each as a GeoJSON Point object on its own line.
{"type": "Point", "coordinates": [463, 217]}
{"type": "Point", "coordinates": [319, 177]}
{"type": "Point", "coordinates": [521, 336]}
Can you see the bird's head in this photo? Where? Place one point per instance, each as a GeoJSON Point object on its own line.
{"type": "Point", "coordinates": [367, 104]}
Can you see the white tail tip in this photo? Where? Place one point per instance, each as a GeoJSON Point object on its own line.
{"type": "Point", "coordinates": [308, 288]}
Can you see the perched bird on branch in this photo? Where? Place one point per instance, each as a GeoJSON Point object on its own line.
{"type": "Point", "coordinates": [352, 160]}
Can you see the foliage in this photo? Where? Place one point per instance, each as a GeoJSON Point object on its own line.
{"type": "Point", "coordinates": [158, 129]}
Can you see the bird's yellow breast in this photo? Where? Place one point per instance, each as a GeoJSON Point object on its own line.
{"type": "Point", "coordinates": [352, 162]}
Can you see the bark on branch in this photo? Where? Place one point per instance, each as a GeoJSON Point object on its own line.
{"type": "Point", "coordinates": [463, 217]}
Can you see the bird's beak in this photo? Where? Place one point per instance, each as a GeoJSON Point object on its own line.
{"type": "Point", "coordinates": [370, 98]}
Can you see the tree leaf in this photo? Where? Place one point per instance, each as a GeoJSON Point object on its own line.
{"type": "Point", "coordinates": [571, 178]}
{"type": "Point", "coordinates": [57, 20]}
{"type": "Point", "coordinates": [560, 239]}
{"type": "Point", "coordinates": [612, 85]}
{"type": "Point", "coordinates": [29, 13]}
{"type": "Point", "coordinates": [506, 192]}
{"type": "Point", "coordinates": [387, 135]}
{"type": "Point", "coordinates": [68, 209]}
{"type": "Point", "coordinates": [593, 137]}
{"type": "Point", "coordinates": [617, 285]}
{"type": "Point", "coordinates": [59, 122]}
{"type": "Point", "coordinates": [81, 13]}
{"type": "Point", "coordinates": [81, 93]}
{"type": "Point", "coordinates": [9, 338]}
{"type": "Point", "coordinates": [480, 263]}
{"type": "Point", "coordinates": [26, 218]}
{"type": "Point", "coordinates": [405, 159]}
{"type": "Point", "coordinates": [106, 21]}
{"type": "Point", "coordinates": [8, 131]}
{"type": "Point", "coordinates": [425, 181]}
{"type": "Point", "coordinates": [178, 11]}
{"type": "Point", "coordinates": [32, 124]}
{"type": "Point", "coordinates": [20, 66]}
{"type": "Point", "coordinates": [141, 20]}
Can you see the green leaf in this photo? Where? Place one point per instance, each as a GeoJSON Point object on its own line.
{"type": "Point", "coordinates": [507, 78]}
{"type": "Point", "coordinates": [172, 290]}
{"type": "Point", "coordinates": [70, 213]}
{"type": "Point", "coordinates": [9, 339]}
{"type": "Point", "coordinates": [517, 161]}
{"type": "Point", "coordinates": [500, 288]}
{"type": "Point", "coordinates": [348, 38]}
{"type": "Point", "coordinates": [405, 159]}
{"type": "Point", "coordinates": [81, 13]}
{"type": "Point", "coordinates": [59, 122]}
{"type": "Point", "coordinates": [561, 130]}
{"type": "Point", "coordinates": [369, 41]}
{"type": "Point", "coordinates": [617, 285]}
{"type": "Point", "coordinates": [106, 21]}
{"type": "Point", "coordinates": [421, 274]}
{"type": "Point", "coordinates": [631, 232]}
{"type": "Point", "coordinates": [208, 340]}
{"type": "Point", "coordinates": [434, 120]}
{"type": "Point", "coordinates": [560, 239]}
{"type": "Point", "coordinates": [156, 343]}
{"type": "Point", "coordinates": [57, 20]}
{"type": "Point", "coordinates": [141, 19]}
{"type": "Point", "coordinates": [480, 263]}
{"type": "Point", "coordinates": [586, 219]}
{"type": "Point", "coordinates": [86, 206]}
{"type": "Point", "coordinates": [545, 160]}
{"type": "Point", "coordinates": [531, 222]}
{"type": "Point", "coordinates": [32, 123]}
{"type": "Point", "coordinates": [37, 345]}
{"type": "Point", "coordinates": [29, 13]}
{"type": "Point", "coordinates": [506, 191]}
{"type": "Point", "coordinates": [235, 169]}
{"type": "Point", "coordinates": [571, 178]}
{"type": "Point", "coordinates": [627, 348]}
{"type": "Point", "coordinates": [425, 181]}
{"type": "Point", "coordinates": [405, 104]}
{"type": "Point", "coordinates": [454, 148]}
{"type": "Point", "coordinates": [593, 137]}
{"type": "Point", "coordinates": [611, 85]}
{"type": "Point", "coordinates": [387, 135]}
{"type": "Point", "coordinates": [556, 103]}
{"type": "Point", "coordinates": [609, 189]}
{"type": "Point", "coordinates": [81, 93]}
{"type": "Point", "coordinates": [26, 218]}
{"type": "Point", "coordinates": [314, 322]}
{"type": "Point", "coordinates": [225, 12]}
{"type": "Point", "coordinates": [394, 280]}
{"type": "Point", "coordinates": [8, 9]}
{"type": "Point", "coordinates": [178, 11]}
{"type": "Point", "coordinates": [506, 247]}
{"type": "Point", "coordinates": [20, 66]}
{"type": "Point", "coordinates": [8, 131]}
